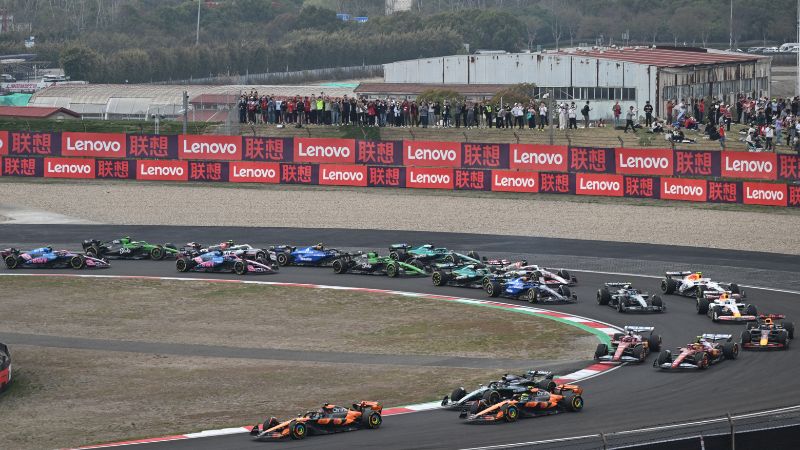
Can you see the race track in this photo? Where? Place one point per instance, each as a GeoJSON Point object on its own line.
{"type": "Point", "coordinates": [757, 380]}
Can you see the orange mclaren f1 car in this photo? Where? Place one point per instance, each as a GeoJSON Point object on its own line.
{"type": "Point", "coordinates": [327, 420]}
{"type": "Point", "coordinates": [536, 402]}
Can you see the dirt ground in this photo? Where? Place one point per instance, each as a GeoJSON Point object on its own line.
{"type": "Point", "coordinates": [90, 396]}
{"type": "Point", "coordinates": [67, 398]}
{"type": "Point", "coordinates": [258, 316]}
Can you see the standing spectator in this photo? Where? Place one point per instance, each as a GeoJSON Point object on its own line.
{"type": "Point", "coordinates": [670, 107]}
{"type": "Point", "coordinates": [722, 137]}
{"type": "Point", "coordinates": [457, 113]}
{"type": "Point", "coordinates": [469, 121]}
{"type": "Point", "coordinates": [531, 115]}
{"type": "Point", "coordinates": [769, 133]}
{"type": "Point", "coordinates": [572, 114]}
{"type": "Point", "coordinates": [629, 120]}
{"type": "Point", "coordinates": [617, 110]}
{"type": "Point", "coordinates": [423, 114]}
{"type": "Point", "coordinates": [431, 114]}
{"type": "Point", "coordinates": [648, 114]}
{"type": "Point", "coordinates": [778, 129]}
{"type": "Point", "coordinates": [500, 118]}
{"type": "Point", "coordinates": [542, 115]}
{"type": "Point", "coordinates": [562, 116]}
{"type": "Point", "coordinates": [336, 109]}
{"type": "Point", "coordinates": [585, 112]}
{"type": "Point", "coordinates": [242, 109]}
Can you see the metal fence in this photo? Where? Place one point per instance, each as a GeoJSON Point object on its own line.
{"type": "Point", "coordinates": [742, 431]}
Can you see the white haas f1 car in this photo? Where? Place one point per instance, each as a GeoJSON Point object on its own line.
{"type": "Point", "coordinates": [625, 298]}
{"type": "Point", "coordinates": [694, 284]}
{"type": "Point", "coordinates": [542, 274]}
{"type": "Point", "coordinates": [726, 307]}
{"type": "Point", "coordinates": [630, 346]}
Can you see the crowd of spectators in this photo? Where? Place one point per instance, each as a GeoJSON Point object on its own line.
{"type": "Point", "coordinates": [767, 123]}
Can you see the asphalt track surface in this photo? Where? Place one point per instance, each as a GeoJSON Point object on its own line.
{"type": "Point", "coordinates": [632, 397]}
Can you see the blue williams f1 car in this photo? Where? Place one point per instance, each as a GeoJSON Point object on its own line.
{"type": "Point", "coordinates": [525, 288]}
{"type": "Point", "coordinates": [219, 261]}
{"type": "Point", "coordinates": [315, 255]}
{"type": "Point", "coordinates": [47, 258]}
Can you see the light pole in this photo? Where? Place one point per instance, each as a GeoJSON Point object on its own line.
{"type": "Point", "coordinates": [730, 46]}
{"type": "Point", "coordinates": [798, 48]}
{"type": "Point", "coordinates": [197, 40]}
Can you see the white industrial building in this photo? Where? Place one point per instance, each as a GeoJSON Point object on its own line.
{"type": "Point", "coordinates": [631, 75]}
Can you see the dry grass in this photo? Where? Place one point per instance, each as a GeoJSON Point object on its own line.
{"type": "Point", "coordinates": [66, 398]}
{"type": "Point", "coordinates": [257, 316]}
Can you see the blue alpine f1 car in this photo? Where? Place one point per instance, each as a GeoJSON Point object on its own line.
{"type": "Point", "coordinates": [315, 255]}
{"type": "Point", "coordinates": [47, 258]}
{"type": "Point", "coordinates": [526, 288]}
{"type": "Point", "coordinates": [220, 261]}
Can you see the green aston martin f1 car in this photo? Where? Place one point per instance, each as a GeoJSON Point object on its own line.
{"type": "Point", "coordinates": [127, 248]}
{"type": "Point", "coordinates": [372, 264]}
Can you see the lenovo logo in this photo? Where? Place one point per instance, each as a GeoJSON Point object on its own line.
{"type": "Point", "coordinates": [92, 146]}
{"type": "Point", "coordinates": [430, 178]}
{"type": "Point", "coordinates": [85, 168]}
{"type": "Point", "coordinates": [515, 181]}
{"type": "Point", "coordinates": [537, 158]}
{"type": "Point", "coordinates": [68, 168]}
{"type": "Point", "coordinates": [316, 151]}
{"type": "Point", "coordinates": [162, 170]}
{"type": "Point", "coordinates": [428, 154]}
{"type": "Point", "coordinates": [254, 172]}
{"type": "Point", "coordinates": [159, 171]}
{"type": "Point", "coordinates": [342, 175]}
{"type": "Point", "coordinates": [598, 184]}
{"type": "Point", "coordinates": [211, 147]}
{"type": "Point", "coordinates": [683, 189]}
{"type": "Point", "coordinates": [425, 153]}
{"type": "Point", "coordinates": [644, 161]}
{"type": "Point", "coordinates": [749, 165]}
{"type": "Point", "coordinates": [765, 194]}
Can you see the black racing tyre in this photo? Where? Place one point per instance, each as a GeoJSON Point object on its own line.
{"type": "Point", "coordinates": [240, 267]}
{"type": "Point", "coordinates": [621, 306]}
{"type": "Point", "coordinates": [261, 255]}
{"type": "Point", "coordinates": [734, 288]}
{"type": "Point", "coordinates": [654, 342]}
{"type": "Point", "coordinates": [297, 430]}
{"type": "Point", "coordinates": [283, 258]}
{"type": "Point", "coordinates": [182, 265]}
{"type": "Point", "coordinates": [565, 291]}
{"type": "Point", "coordinates": [702, 306]}
{"type": "Point", "coordinates": [339, 266]}
{"type": "Point", "coordinates": [638, 352]}
{"type": "Point", "coordinates": [668, 286]}
{"type": "Point", "coordinates": [601, 350]}
{"type": "Point", "coordinates": [450, 258]}
{"type": "Point", "coordinates": [789, 327]}
{"type": "Point", "coordinates": [657, 301]}
{"type": "Point", "coordinates": [398, 255]}
{"type": "Point", "coordinates": [572, 402]}
{"type": "Point", "coordinates": [700, 291]}
{"type": "Point", "coordinates": [511, 413]}
{"type": "Point", "coordinates": [664, 357]}
{"type": "Point", "coordinates": [730, 350]}
{"type": "Point", "coordinates": [747, 337]}
{"type": "Point", "coordinates": [783, 338]}
{"type": "Point", "coordinates": [457, 394]}
{"type": "Point", "coordinates": [392, 270]}
{"type": "Point", "coordinates": [617, 336]}
{"type": "Point", "coordinates": [418, 264]}
{"type": "Point", "coordinates": [564, 274]}
{"type": "Point", "coordinates": [439, 278]}
{"type": "Point", "coordinates": [272, 422]}
{"type": "Point", "coordinates": [751, 325]}
{"type": "Point", "coordinates": [157, 253]}
{"type": "Point", "coordinates": [714, 313]}
{"type": "Point", "coordinates": [491, 397]}
{"type": "Point", "coordinates": [532, 296]}
{"type": "Point", "coordinates": [93, 251]}
{"type": "Point", "coordinates": [77, 262]}
{"type": "Point", "coordinates": [372, 419]}
{"type": "Point", "coordinates": [474, 255]}
{"type": "Point", "coordinates": [493, 288]}
{"type": "Point", "coordinates": [547, 385]}
{"type": "Point", "coordinates": [603, 296]}
{"type": "Point", "coordinates": [12, 261]}
{"type": "Point", "coordinates": [751, 310]}
{"type": "Point", "coordinates": [477, 406]}
{"type": "Point", "coordinates": [701, 360]}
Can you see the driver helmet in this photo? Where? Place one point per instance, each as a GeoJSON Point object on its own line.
{"type": "Point", "coordinates": [223, 246]}
{"type": "Point", "coordinates": [524, 397]}
{"type": "Point", "coordinates": [630, 333]}
{"type": "Point", "coordinates": [699, 340]}
{"type": "Point", "coordinates": [319, 246]}
{"type": "Point", "coordinates": [48, 249]}
{"type": "Point", "coordinates": [767, 321]}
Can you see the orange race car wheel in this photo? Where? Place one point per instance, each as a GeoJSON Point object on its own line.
{"type": "Point", "coordinates": [297, 430]}
{"type": "Point", "coordinates": [512, 413]}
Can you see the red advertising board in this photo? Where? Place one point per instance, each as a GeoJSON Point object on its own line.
{"type": "Point", "coordinates": [430, 153]}
{"type": "Point", "coordinates": [341, 175]}
{"type": "Point", "coordinates": [687, 189]}
{"type": "Point", "coordinates": [762, 166]}
{"type": "Point", "coordinates": [68, 168]}
{"type": "Point", "coordinates": [221, 148]}
{"type": "Point", "coordinates": [96, 145]}
{"type": "Point", "coordinates": [3, 142]}
{"type": "Point", "coordinates": [325, 151]}
{"type": "Point", "coordinates": [429, 178]}
{"type": "Point", "coordinates": [644, 161]}
{"type": "Point", "coordinates": [511, 181]}
{"type": "Point", "coordinates": [599, 184]}
{"type": "Point", "coordinates": [162, 170]}
{"type": "Point", "coordinates": [771, 194]}
{"type": "Point", "coordinates": [254, 172]}
{"type": "Point", "coordinates": [539, 158]}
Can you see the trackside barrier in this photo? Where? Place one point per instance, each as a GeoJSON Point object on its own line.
{"type": "Point", "coordinates": [581, 183]}
{"type": "Point", "coordinates": [778, 428]}
{"type": "Point", "coordinates": [407, 153]}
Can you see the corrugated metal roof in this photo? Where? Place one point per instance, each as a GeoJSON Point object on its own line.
{"type": "Point", "coordinates": [33, 112]}
{"type": "Point", "coordinates": [662, 57]}
{"type": "Point", "coordinates": [417, 88]}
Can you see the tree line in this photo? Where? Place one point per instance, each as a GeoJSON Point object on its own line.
{"type": "Point", "coordinates": [154, 40]}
